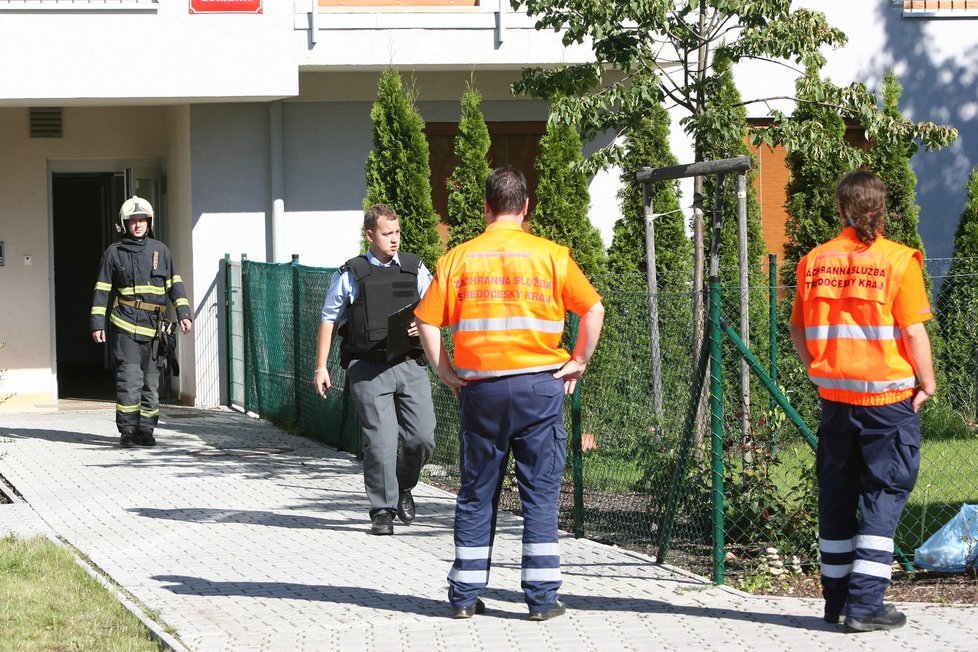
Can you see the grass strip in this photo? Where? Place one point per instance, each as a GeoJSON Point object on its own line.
{"type": "Point", "coordinates": [49, 603]}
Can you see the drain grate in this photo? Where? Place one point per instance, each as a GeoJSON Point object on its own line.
{"type": "Point", "coordinates": [237, 452]}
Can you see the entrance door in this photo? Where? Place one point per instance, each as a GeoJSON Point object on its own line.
{"type": "Point", "coordinates": [85, 209]}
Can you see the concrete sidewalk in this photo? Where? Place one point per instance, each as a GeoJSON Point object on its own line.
{"type": "Point", "coordinates": [238, 536]}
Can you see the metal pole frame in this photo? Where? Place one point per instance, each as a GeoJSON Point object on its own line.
{"type": "Point", "coordinates": [738, 165]}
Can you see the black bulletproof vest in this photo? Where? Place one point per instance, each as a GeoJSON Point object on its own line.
{"type": "Point", "coordinates": [380, 292]}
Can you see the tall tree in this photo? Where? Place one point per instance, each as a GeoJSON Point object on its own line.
{"type": "Point", "coordinates": [648, 146]}
{"type": "Point", "coordinates": [633, 39]}
{"type": "Point", "coordinates": [813, 215]}
{"type": "Point", "coordinates": [563, 199]}
{"type": "Point", "coordinates": [891, 161]}
{"type": "Point", "coordinates": [398, 171]}
{"type": "Point", "coordinates": [739, 257]}
{"type": "Point", "coordinates": [732, 143]}
{"type": "Point", "coordinates": [466, 187]}
{"type": "Point", "coordinates": [646, 336]}
{"type": "Point", "coordinates": [630, 41]}
{"type": "Point", "coordinates": [957, 305]}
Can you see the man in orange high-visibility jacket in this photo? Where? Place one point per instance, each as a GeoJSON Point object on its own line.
{"type": "Point", "coordinates": [858, 325]}
{"type": "Point", "coordinates": [505, 294]}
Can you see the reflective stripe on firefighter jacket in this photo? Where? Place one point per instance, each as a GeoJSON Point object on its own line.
{"type": "Point", "coordinates": [504, 294]}
{"type": "Point", "coordinates": [847, 291]}
{"type": "Point", "coordinates": [136, 269]}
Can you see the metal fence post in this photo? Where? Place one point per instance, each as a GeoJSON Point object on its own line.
{"type": "Point", "coordinates": [296, 348]}
{"type": "Point", "coordinates": [716, 428]}
{"type": "Point", "coordinates": [230, 327]}
{"type": "Point", "coordinates": [577, 467]}
{"type": "Point", "coordinates": [246, 314]}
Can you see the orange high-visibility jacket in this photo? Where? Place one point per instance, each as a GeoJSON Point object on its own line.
{"type": "Point", "coordinates": [504, 294]}
{"type": "Point", "coordinates": [847, 291]}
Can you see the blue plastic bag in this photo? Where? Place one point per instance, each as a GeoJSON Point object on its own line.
{"type": "Point", "coordinates": [954, 547]}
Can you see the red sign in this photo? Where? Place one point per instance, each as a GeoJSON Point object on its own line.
{"type": "Point", "coordinates": [225, 6]}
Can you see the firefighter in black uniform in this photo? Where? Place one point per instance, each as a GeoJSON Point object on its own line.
{"type": "Point", "coordinates": [136, 275]}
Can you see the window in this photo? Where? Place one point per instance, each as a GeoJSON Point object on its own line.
{"type": "Point", "coordinates": [513, 143]}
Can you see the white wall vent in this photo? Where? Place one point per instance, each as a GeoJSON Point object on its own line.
{"type": "Point", "coordinates": [46, 122]}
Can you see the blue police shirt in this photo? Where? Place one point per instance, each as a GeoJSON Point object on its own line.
{"type": "Point", "coordinates": [343, 288]}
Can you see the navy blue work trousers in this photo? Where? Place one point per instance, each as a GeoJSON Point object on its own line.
{"type": "Point", "coordinates": [522, 414]}
{"type": "Point", "coordinates": [868, 458]}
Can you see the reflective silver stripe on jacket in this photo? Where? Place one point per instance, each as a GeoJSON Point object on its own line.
{"type": "Point", "coordinates": [509, 324]}
{"type": "Point", "coordinates": [853, 332]}
{"type": "Point", "coordinates": [865, 386]}
{"type": "Point", "coordinates": [499, 373]}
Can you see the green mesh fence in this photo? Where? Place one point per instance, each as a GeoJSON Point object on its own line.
{"type": "Point", "coordinates": [645, 478]}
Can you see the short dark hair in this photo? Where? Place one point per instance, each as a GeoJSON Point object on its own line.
{"type": "Point", "coordinates": [862, 202]}
{"type": "Point", "coordinates": [374, 213]}
{"type": "Point", "coordinates": [506, 191]}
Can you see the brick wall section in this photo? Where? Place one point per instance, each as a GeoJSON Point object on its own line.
{"type": "Point", "coordinates": [771, 182]}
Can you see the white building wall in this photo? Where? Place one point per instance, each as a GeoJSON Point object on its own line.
{"type": "Point", "coordinates": [87, 54]}
{"type": "Point", "coordinates": [934, 60]}
{"type": "Point", "coordinates": [491, 35]}
{"type": "Point", "coordinates": [94, 140]}
{"type": "Point", "coordinates": [179, 214]}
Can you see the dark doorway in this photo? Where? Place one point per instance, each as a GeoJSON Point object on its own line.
{"type": "Point", "coordinates": [83, 228]}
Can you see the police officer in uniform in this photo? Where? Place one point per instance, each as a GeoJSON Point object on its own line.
{"type": "Point", "coordinates": [858, 325]}
{"type": "Point", "coordinates": [392, 392]}
{"type": "Point", "coordinates": [135, 278]}
{"type": "Point", "coordinates": [505, 294]}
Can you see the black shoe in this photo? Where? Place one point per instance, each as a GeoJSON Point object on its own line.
{"type": "Point", "coordinates": [405, 507]}
{"type": "Point", "coordinates": [832, 617]}
{"type": "Point", "coordinates": [127, 440]}
{"type": "Point", "coordinates": [557, 610]}
{"type": "Point", "coordinates": [382, 522]}
{"type": "Point", "coordinates": [478, 607]}
{"type": "Point", "coordinates": [890, 618]}
{"type": "Point", "coordinates": [145, 438]}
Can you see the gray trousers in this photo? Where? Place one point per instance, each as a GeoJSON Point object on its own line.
{"type": "Point", "coordinates": [393, 404]}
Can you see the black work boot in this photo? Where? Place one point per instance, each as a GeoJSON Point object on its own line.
{"type": "Point", "coordinates": [557, 610]}
{"type": "Point", "coordinates": [889, 618]}
{"type": "Point", "coordinates": [145, 438]}
{"type": "Point", "coordinates": [127, 439]}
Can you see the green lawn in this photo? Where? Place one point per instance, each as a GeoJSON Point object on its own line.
{"type": "Point", "coordinates": [49, 603]}
{"type": "Point", "coordinates": [947, 479]}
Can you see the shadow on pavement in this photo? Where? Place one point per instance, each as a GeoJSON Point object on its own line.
{"type": "Point", "coordinates": [421, 606]}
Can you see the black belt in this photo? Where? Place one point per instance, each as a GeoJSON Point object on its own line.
{"type": "Point", "coordinates": [380, 356]}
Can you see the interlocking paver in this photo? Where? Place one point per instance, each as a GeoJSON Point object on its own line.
{"type": "Point", "coordinates": [272, 553]}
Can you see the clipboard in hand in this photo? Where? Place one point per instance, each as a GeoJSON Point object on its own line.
{"type": "Point", "coordinates": [399, 343]}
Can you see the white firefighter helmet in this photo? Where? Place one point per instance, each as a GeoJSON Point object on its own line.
{"type": "Point", "coordinates": [135, 207]}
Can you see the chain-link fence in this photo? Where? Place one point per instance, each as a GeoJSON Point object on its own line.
{"type": "Point", "coordinates": [707, 484]}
